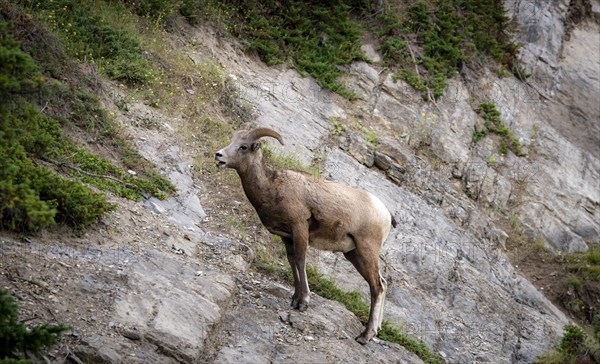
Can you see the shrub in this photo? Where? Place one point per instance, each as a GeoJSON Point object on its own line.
{"type": "Point", "coordinates": [449, 33]}
{"type": "Point", "coordinates": [492, 123]}
{"type": "Point", "coordinates": [32, 197]}
{"type": "Point", "coordinates": [90, 36]}
{"type": "Point", "coordinates": [573, 341]}
{"type": "Point", "coordinates": [18, 71]}
{"type": "Point", "coordinates": [597, 329]}
{"type": "Point", "coordinates": [16, 340]}
{"type": "Point", "coordinates": [573, 348]}
{"type": "Point", "coordinates": [317, 37]}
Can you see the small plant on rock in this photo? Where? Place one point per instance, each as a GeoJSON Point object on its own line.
{"type": "Point", "coordinates": [493, 124]}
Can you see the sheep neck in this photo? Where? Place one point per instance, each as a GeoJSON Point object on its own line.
{"type": "Point", "coordinates": [256, 180]}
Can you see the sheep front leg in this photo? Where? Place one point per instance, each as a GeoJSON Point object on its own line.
{"type": "Point", "coordinates": [289, 249]}
{"type": "Point", "coordinates": [300, 241]}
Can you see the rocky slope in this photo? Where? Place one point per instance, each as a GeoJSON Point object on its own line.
{"type": "Point", "coordinates": [155, 284]}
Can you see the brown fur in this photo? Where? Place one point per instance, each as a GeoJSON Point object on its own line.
{"type": "Point", "coordinates": [305, 210]}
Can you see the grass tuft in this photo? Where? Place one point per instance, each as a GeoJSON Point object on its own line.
{"type": "Point", "coordinates": [287, 161]}
{"type": "Point", "coordinates": [326, 288]}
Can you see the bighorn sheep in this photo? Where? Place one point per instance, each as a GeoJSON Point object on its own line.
{"type": "Point", "coordinates": [304, 210]}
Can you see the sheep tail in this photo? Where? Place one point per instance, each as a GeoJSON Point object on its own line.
{"type": "Point", "coordinates": [394, 222]}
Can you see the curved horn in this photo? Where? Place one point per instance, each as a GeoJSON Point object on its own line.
{"type": "Point", "coordinates": [262, 132]}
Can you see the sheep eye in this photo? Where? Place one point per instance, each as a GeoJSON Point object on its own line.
{"type": "Point", "coordinates": [243, 147]}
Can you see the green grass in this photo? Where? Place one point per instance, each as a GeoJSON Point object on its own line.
{"type": "Point", "coordinates": [494, 124]}
{"type": "Point", "coordinates": [585, 265]}
{"type": "Point", "coordinates": [574, 282]}
{"type": "Point", "coordinates": [326, 288]}
{"type": "Point", "coordinates": [390, 332]}
{"type": "Point", "coordinates": [287, 161]}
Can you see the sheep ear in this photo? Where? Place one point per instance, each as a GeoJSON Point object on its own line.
{"type": "Point", "coordinates": [254, 146]}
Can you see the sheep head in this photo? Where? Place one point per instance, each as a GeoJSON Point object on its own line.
{"type": "Point", "coordinates": [244, 147]}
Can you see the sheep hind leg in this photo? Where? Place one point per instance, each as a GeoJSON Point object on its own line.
{"type": "Point", "coordinates": [380, 319]}
{"type": "Point", "coordinates": [368, 267]}
{"type": "Point", "coordinates": [289, 249]}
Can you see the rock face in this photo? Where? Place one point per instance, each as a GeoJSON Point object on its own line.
{"type": "Point", "coordinates": [562, 51]}
{"type": "Point", "coordinates": [174, 293]}
{"type": "Point", "coordinates": [323, 335]}
{"type": "Point", "coordinates": [443, 282]}
{"type": "Point", "coordinates": [175, 309]}
{"type": "Point", "coordinates": [450, 282]}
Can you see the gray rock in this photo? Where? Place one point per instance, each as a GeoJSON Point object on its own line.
{"type": "Point", "coordinates": [97, 350]}
{"type": "Point", "coordinates": [433, 263]}
{"type": "Point", "coordinates": [365, 79]}
{"type": "Point", "coordinates": [131, 333]}
{"type": "Point", "coordinates": [370, 52]}
{"type": "Point", "coordinates": [450, 281]}
{"type": "Point", "coordinates": [184, 209]}
{"type": "Point", "coordinates": [173, 306]}
{"type": "Point", "coordinates": [382, 161]}
{"type": "Point", "coordinates": [359, 149]}
{"type": "Point", "coordinates": [89, 285]}
{"type": "Point", "coordinates": [396, 173]}
{"type": "Point", "coordinates": [323, 334]}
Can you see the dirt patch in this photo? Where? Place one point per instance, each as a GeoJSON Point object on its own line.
{"type": "Point", "coordinates": [560, 278]}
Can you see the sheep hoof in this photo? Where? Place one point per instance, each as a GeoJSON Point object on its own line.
{"type": "Point", "coordinates": [302, 307]}
{"type": "Point", "coordinates": [361, 340]}
{"type": "Point", "coordinates": [365, 337]}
